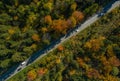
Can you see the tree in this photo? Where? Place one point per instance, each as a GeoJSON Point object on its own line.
{"type": "Point", "coordinates": [48, 20]}
{"type": "Point", "coordinates": [110, 78]}
{"type": "Point", "coordinates": [59, 26]}
{"type": "Point", "coordinates": [11, 31]}
{"type": "Point", "coordinates": [73, 7]}
{"type": "Point", "coordinates": [16, 57]}
{"type": "Point", "coordinates": [91, 9]}
{"type": "Point", "coordinates": [5, 19]}
{"type": "Point", "coordinates": [44, 30]}
{"type": "Point", "coordinates": [15, 17]}
{"type": "Point", "coordinates": [72, 72]}
{"type": "Point", "coordinates": [78, 15]}
{"type": "Point", "coordinates": [71, 22]}
{"type": "Point", "coordinates": [58, 60]}
{"type": "Point", "coordinates": [110, 52]}
{"type": "Point", "coordinates": [16, 3]}
{"type": "Point", "coordinates": [80, 61]}
{"type": "Point", "coordinates": [59, 76]}
{"type": "Point", "coordinates": [31, 18]}
{"type": "Point", "coordinates": [60, 67]}
{"type": "Point", "coordinates": [114, 61]}
{"type": "Point", "coordinates": [116, 50]}
{"type": "Point", "coordinates": [60, 48]}
{"type": "Point", "coordinates": [36, 37]}
{"type": "Point", "coordinates": [28, 51]}
{"type": "Point", "coordinates": [93, 73]}
{"type": "Point", "coordinates": [115, 71]}
{"type": "Point", "coordinates": [5, 63]}
{"type": "Point", "coordinates": [94, 44]}
{"type": "Point", "coordinates": [107, 69]}
{"type": "Point", "coordinates": [34, 47]}
{"type": "Point", "coordinates": [41, 71]}
{"type": "Point", "coordinates": [48, 6]}
{"type": "Point", "coordinates": [1, 6]}
{"type": "Point", "coordinates": [31, 75]}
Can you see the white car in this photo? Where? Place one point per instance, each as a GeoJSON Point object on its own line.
{"type": "Point", "coordinates": [23, 63]}
{"type": "Point", "coordinates": [102, 14]}
{"type": "Point", "coordinates": [77, 30]}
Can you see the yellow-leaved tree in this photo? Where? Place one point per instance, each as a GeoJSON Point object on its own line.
{"type": "Point", "coordinates": [31, 75]}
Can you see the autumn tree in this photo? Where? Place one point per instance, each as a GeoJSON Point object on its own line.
{"type": "Point", "coordinates": [41, 71]}
{"type": "Point", "coordinates": [60, 48]}
{"type": "Point", "coordinates": [34, 47]}
{"type": "Point", "coordinates": [59, 26]}
{"type": "Point", "coordinates": [48, 20]}
{"type": "Point", "coordinates": [110, 78]}
{"type": "Point", "coordinates": [78, 15]}
{"type": "Point", "coordinates": [107, 69]}
{"type": "Point", "coordinates": [31, 18]}
{"type": "Point", "coordinates": [58, 60]}
{"type": "Point", "coordinates": [114, 61]}
{"type": "Point", "coordinates": [71, 22]}
{"type": "Point", "coordinates": [93, 73]}
{"type": "Point", "coordinates": [94, 44]}
{"type": "Point", "coordinates": [72, 72]}
{"type": "Point", "coordinates": [31, 75]}
{"type": "Point", "coordinates": [110, 52]}
{"type": "Point", "coordinates": [104, 60]}
{"type": "Point", "coordinates": [36, 37]}
{"type": "Point", "coordinates": [80, 61]}
{"type": "Point", "coordinates": [11, 31]}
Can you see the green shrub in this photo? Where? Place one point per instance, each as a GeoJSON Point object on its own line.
{"type": "Point", "coordinates": [115, 71]}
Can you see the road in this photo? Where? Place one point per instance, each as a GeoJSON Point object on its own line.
{"type": "Point", "coordinates": [54, 44]}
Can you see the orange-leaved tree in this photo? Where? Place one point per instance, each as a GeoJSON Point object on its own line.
{"type": "Point", "coordinates": [48, 20]}
{"type": "Point", "coordinates": [78, 15]}
{"type": "Point", "coordinates": [114, 61]}
{"type": "Point", "coordinates": [60, 48]}
{"type": "Point", "coordinates": [41, 71]}
{"type": "Point", "coordinates": [31, 75]}
{"type": "Point", "coordinates": [36, 37]}
{"type": "Point", "coordinates": [59, 26]}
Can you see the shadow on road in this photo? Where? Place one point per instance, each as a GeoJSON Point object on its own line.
{"type": "Point", "coordinates": [8, 73]}
{"type": "Point", "coordinates": [106, 8]}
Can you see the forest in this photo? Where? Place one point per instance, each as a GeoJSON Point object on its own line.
{"type": "Point", "coordinates": [91, 55]}
{"type": "Point", "coordinates": [27, 26]}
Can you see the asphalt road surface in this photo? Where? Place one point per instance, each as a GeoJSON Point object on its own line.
{"type": "Point", "coordinates": [12, 71]}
